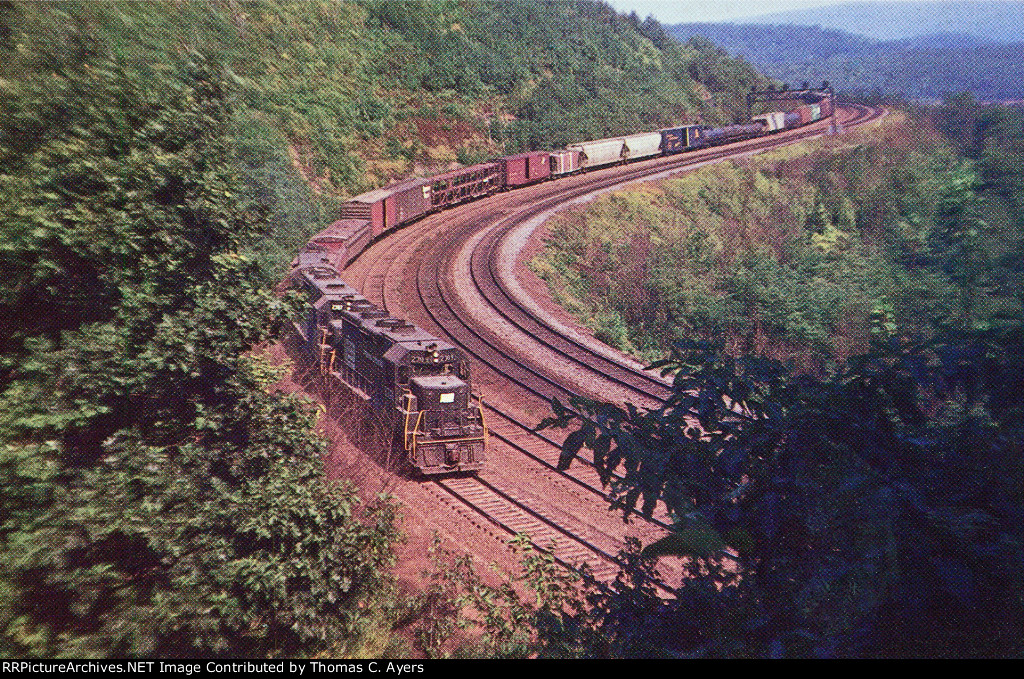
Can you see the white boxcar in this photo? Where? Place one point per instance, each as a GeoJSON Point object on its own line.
{"type": "Point", "coordinates": [600, 151]}
{"type": "Point", "coordinates": [772, 121]}
{"type": "Point", "coordinates": [642, 145]}
{"type": "Point", "coordinates": [565, 162]}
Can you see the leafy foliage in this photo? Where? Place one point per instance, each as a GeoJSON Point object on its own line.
{"type": "Point", "coordinates": [874, 512]}
{"type": "Point", "coordinates": [870, 507]}
{"type": "Point", "coordinates": [157, 498]}
{"type": "Point", "coordinates": [507, 623]}
{"type": "Point", "coordinates": [805, 255]}
{"type": "Point", "coordinates": [565, 70]}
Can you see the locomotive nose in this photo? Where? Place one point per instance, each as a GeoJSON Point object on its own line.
{"type": "Point", "coordinates": [440, 392]}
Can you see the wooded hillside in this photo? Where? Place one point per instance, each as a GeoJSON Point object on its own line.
{"type": "Point", "coordinates": [922, 67]}
{"type": "Point", "coordinates": [160, 163]}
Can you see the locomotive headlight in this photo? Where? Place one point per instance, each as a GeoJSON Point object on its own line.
{"type": "Point", "coordinates": [436, 354]}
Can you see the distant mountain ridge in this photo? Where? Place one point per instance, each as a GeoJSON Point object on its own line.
{"type": "Point", "coordinates": [920, 67]}
{"type": "Point", "coordinates": [992, 20]}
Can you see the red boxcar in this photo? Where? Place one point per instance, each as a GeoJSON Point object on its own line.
{"type": "Point", "coordinates": [525, 168]}
{"type": "Point", "coordinates": [335, 246]}
{"type": "Point", "coordinates": [826, 107]}
{"type": "Point", "coordinates": [390, 206]}
{"type": "Point", "coordinates": [463, 184]}
{"type": "Point", "coordinates": [341, 241]}
{"type": "Point", "coordinates": [805, 114]}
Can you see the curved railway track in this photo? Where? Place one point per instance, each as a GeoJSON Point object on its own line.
{"type": "Point", "coordinates": [451, 274]}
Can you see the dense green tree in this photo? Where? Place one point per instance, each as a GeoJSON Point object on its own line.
{"type": "Point", "coordinates": [156, 498]}
{"type": "Point", "coordinates": [873, 512]}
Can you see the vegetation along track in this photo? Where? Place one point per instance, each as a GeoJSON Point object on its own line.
{"type": "Point", "coordinates": [459, 264]}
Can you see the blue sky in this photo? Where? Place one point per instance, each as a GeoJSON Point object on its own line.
{"type": "Point", "coordinates": [683, 11]}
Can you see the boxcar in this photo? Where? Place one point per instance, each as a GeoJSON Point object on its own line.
{"type": "Point", "coordinates": [679, 139]}
{"type": "Point", "coordinates": [524, 168]}
{"type": "Point", "coordinates": [565, 162]}
{"type": "Point", "coordinates": [464, 184]}
{"type": "Point", "coordinates": [390, 206]}
{"type": "Point", "coordinates": [642, 145]}
{"type": "Point", "coordinates": [600, 152]}
{"type": "Point", "coordinates": [673, 140]}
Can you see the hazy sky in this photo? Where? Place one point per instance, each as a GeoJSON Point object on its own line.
{"type": "Point", "coordinates": [683, 11]}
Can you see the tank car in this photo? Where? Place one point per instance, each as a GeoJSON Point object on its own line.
{"type": "Point", "coordinates": [417, 384]}
{"type": "Point", "coordinates": [730, 133]}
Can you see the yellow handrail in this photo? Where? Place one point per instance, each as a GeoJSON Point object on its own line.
{"type": "Point", "coordinates": [324, 346]}
{"type": "Point", "coordinates": [415, 434]}
{"type": "Point", "coordinates": [483, 420]}
{"type": "Point", "coordinates": [411, 437]}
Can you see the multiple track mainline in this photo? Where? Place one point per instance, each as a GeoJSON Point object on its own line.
{"type": "Point", "coordinates": [453, 274]}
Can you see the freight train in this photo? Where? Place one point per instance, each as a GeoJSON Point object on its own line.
{"type": "Point", "coordinates": [417, 384]}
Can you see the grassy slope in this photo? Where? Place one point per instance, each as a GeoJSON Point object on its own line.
{"type": "Point", "coordinates": [803, 254]}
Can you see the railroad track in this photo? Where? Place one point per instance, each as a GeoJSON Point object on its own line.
{"type": "Point", "coordinates": [454, 262]}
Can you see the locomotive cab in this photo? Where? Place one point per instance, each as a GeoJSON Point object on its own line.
{"type": "Point", "coordinates": [442, 421]}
